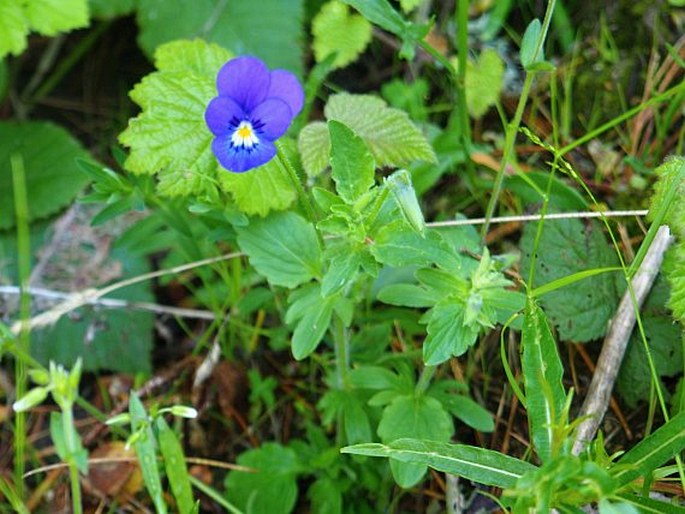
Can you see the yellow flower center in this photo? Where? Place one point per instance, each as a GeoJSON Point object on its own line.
{"type": "Point", "coordinates": [244, 136]}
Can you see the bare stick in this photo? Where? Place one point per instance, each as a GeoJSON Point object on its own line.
{"type": "Point", "coordinates": [614, 346]}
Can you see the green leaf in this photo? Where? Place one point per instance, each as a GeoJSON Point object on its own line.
{"type": "Point", "coordinates": [283, 247]}
{"type": "Point", "coordinates": [581, 311]}
{"type": "Point", "coordinates": [314, 144]}
{"type": "Point", "coordinates": [484, 82]}
{"type": "Point", "coordinates": [674, 269]}
{"type": "Point", "coordinates": [336, 31]}
{"type": "Point", "coordinates": [461, 406]}
{"type": "Point", "coordinates": [50, 17]}
{"type": "Point", "coordinates": [418, 416]}
{"type": "Point", "coordinates": [52, 176]}
{"type": "Point", "coordinates": [262, 190]}
{"type": "Point", "coordinates": [269, 29]}
{"type": "Point", "coordinates": [653, 451]}
{"type": "Point", "coordinates": [542, 375]}
{"type": "Point", "coordinates": [175, 465]}
{"type": "Point", "coordinates": [448, 333]}
{"type": "Point", "coordinates": [144, 446]}
{"type": "Point", "coordinates": [272, 488]}
{"type": "Point", "coordinates": [392, 138]}
{"type": "Point", "coordinates": [480, 465]}
{"type": "Point", "coordinates": [112, 8]}
{"type": "Point", "coordinates": [313, 314]}
{"type": "Point", "coordinates": [529, 44]}
{"type": "Point", "coordinates": [408, 295]}
{"type": "Point", "coordinates": [382, 14]}
{"type": "Point", "coordinates": [169, 136]}
{"type": "Point", "coordinates": [670, 178]}
{"type": "Point", "coordinates": [651, 506]}
{"type": "Point", "coordinates": [344, 260]}
{"type": "Point", "coordinates": [326, 496]}
{"type": "Point", "coordinates": [13, 28]}
{"type": "Point", "coordinates": [352, 165]}
{"type": "Point", "coordinates": [348, 406]}
{"type": "Point", "coordinates": [397, 245]}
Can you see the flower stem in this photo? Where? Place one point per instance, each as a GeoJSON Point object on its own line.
{"type": "Point", "coordinates": [68, 428]}
{"type": "Point", "coordinates": [513, 126]}
{"type": "Point", "coordinates": [305, 201]}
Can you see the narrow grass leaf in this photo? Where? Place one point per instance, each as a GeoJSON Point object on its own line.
{"type": "Point", "coordinates": [478, 464]}
{"type": "Point", "coordinates": [145, 449]}
{"type": "Point", "coordinates": [653, 451]}
{"type": "Point", "coordinates": [542, 373]}
{"type": "Point", "coordinates": [648, 505]}
{"type": "Point", "coordinates": [175, 466]}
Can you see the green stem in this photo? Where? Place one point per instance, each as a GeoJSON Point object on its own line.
{"type": "Point", "coordinates": [463, 54]}
{"type": "Point", "coordinates": [513, 126]}
{"type": "Point", "coordinates": [341, 343]}
{"type": "Point", "coordinates": [303, 197]}
{"type": "Point", "coordinates": [425, 379]}
{"type": "Point", "coordinates": [23, 342]}
{"type": "Point", "coordinates": [68, 428]}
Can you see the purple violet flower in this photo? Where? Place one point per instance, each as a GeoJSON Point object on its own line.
{"type": "Point", "coordinates": [255, 107]}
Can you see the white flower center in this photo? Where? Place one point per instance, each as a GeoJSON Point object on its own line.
{"type": "Point", "coordinates": [244, 136]}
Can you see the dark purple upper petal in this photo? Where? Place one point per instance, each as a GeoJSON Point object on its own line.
{"type": "Point", "coordinates": [221, 115]}
{"type": "Point", "coordinates": [245, 80]}
{"type": "Point", "coordinates": [284, 85]}
{"type": "Point", "coordinates": [239, 159]}
{"type": "Point", "coordinates": [273, 116]}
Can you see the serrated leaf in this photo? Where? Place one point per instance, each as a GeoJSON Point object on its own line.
{"type": "Point", "coordinates": [52, 177]}
{"type": "Point", "coordinates": [283, 247]}
{"type": "Point", "coordinates": [352, 165]}
{"type": "Point", "coordinates": [273, 488]}
{"type": "Point", "coordinates": [418, 416]}
{"type": "Point", "coordinates": [13, 28]}
{"type": "Point", "coordinates": [311, 313]}
{"type": "Point", "coordinates": [480, 465]}
{"type": "Point", "coordinates": [580, 311]}
{"type": "Point", "coordinates": [337, 31]}
{"type": "Point", "coordinates": [50, 17]}
{"type": "Point", "coordinates": [542, 375]}
{"type": "Point", "coordinates": [264, 189]}
{"type": "Point", "coordinates": [392, 138]}
{"type": "Point", "coordinates": [484, 82]}
{"type": "Point", "coordinates": [448, 334]}
{"type": "Point", "coordinates": [671, 179]}
{"type": "Point", "coordinates": [269, 29]}
{"type": "Point", "coordinates": [674, 269]}
{"type": "Point", "coordinates": [314, 144]}
{"type": "Point", "coordinates": [169, 136]}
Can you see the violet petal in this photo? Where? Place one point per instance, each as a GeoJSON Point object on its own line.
{"type": "Point", "coordinates": [284, 85]}
{"type": "Point", "coordinates": [221, 115]}
{"type": "Point", "coordinates": [246, 80]}
{"type": "Point", "coordinates": [239, 160]}
{"type": "Point", "coordinates": [273, 116]}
